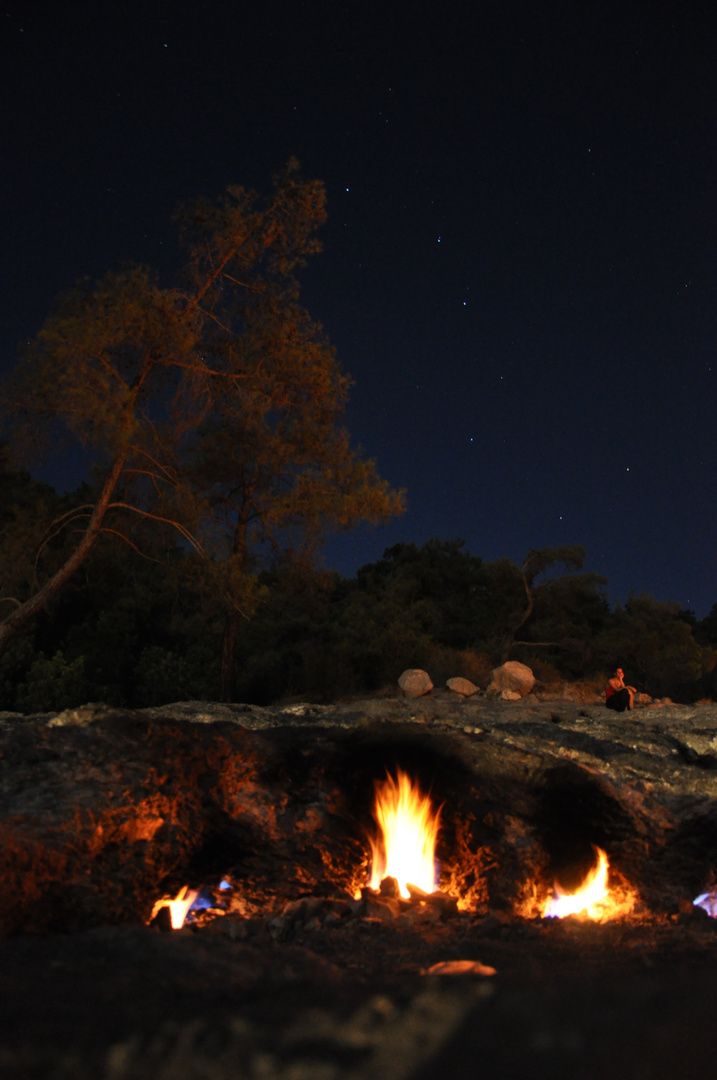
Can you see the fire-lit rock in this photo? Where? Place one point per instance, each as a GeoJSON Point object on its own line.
{"type": "Point", "coordinates": [415, 683]}
{"type": "Point", "coordinates": [103, 818]}
{"type": "Point", "coordinates": [389, 887]}
{"type": "Point", "coordinates": [460, 967]}
{"type": "Point", "coordinates": [151, 794]}
{"type": "Point", "coordinates": [267, 815]}
{"type": "Point", "coordinates": [511, 678]}
{"type": "Point", "coordinates": [464, 687]}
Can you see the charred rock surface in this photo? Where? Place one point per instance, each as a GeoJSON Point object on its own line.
{"type": "Point", "coordinates": [102, 812]}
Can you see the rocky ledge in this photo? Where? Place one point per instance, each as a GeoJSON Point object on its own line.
{"type": "Point", "coordinates": [101, 809]}
{"type": "Point", "coordinates": [104, 810]}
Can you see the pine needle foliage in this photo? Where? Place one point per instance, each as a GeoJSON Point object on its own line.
{"type": "Point", "coordinates": [212, 409]}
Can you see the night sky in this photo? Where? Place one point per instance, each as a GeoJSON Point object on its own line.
{"type": "Point", "coordinates": [520, 264]}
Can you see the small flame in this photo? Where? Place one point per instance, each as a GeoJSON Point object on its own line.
{"type": "Point", "coordinates": [178, 907]}
{"type": "Point", "coordinates": [409, 827]}
{"type": "Point", "coordinates": [708, 902]}
{"type": "Point", "coordinates": [592, 899]}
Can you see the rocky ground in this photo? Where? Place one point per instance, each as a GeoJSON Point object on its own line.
{"type": "Point", "coordinates": [101, 811]}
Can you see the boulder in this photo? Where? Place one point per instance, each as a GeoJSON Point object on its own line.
{"type": "Point", "coordinates": [512, 676]}
{"type": "Point", "coordinates": [461, 686]}
{"type": "Point", "coordinates": [415, 683]}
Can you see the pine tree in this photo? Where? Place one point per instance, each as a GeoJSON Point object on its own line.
{"type": "Point", "coordinates": [213, 409]}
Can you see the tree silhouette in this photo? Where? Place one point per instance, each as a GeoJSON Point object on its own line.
{"type": "Point", "coordinates": [537, 562]}
{"type": "Point", "coordinates": [213, 409]}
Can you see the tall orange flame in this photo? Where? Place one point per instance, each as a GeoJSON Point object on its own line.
{"type": "Point", "coordinates": [178, 907]}
{"type": "Point", "coordinates": [409, 828]}
{"type": "Point", "coordinates": [593, 899]}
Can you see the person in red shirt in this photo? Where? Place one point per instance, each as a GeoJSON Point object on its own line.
{"type": "Point", "coordinates": [618, 695]}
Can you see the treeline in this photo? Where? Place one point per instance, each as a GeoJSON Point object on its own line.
{"type": "Point", "coordinates": [137, 627]}
{"type": "Point", "coordinates": [212, 410]}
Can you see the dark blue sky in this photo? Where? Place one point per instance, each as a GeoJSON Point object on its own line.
{"type": "Point", "coordinates": [520, 263]}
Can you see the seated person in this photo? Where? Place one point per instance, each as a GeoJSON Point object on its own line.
{"type": "Point", "coordinates": [618, 696]}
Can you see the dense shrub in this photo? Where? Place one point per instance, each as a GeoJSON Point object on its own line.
{"type": "Point", "coordinates": [53, 684]}
{"type": "Point", "coordinates": [163, 676]}
{"type": "Point", "coordinates": [133, 633]}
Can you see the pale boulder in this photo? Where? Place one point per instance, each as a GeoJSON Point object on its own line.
{"type": "Point", "coordinates": [415, 683]}
{"type": "Point", "coordinates": [461, 686]}
{"type": "Point", "coordinates": [512, 676]}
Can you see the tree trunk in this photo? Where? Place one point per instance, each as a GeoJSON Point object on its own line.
{"type": "Point", "coordinates": [229, 640]}
{"type": "Point", "coordinates": [234, 616]}
{"type": "Point", "coordinates": [510, 640]}
{"type": "Point", "coordinates": [18, 619]}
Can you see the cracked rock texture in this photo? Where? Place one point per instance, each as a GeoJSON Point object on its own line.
{"type": "Point", "coordinates": [102, 811]}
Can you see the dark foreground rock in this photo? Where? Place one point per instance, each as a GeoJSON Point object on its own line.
{"type": "Point", "coordinates": [102, 812]}
{"type": "Point", "coordinates": [568, 1000]}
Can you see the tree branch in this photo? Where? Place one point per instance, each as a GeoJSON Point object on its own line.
{"type": "Point", "coordinates": [113, 371]}
{"type": "Point", "coordinates": [181, 529]}
{"type": "Point", "coordinates": [541, 644]}
{"type": "Point", "coordinates": [205, 370]}
{"type": "Point", "coordinates": [209, 315]}
{"type": "Point", "coordinates": [116, 532]}
{"type": "Point", "coordinates": [170, 475]}
{"type": "Point", "coordinates": [66, 519]}
{"type": "Point", "coordinates": [245, 285]}
{"type": "Point", "coordinates": [14, 622]}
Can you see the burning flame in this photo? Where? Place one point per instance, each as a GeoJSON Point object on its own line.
{"type": "Point", "coordinates": [593, 898]}
{"type": "Point", "coordinates": [178, 907]}
{"type": "Point", "coordinates": [409, 827]}
{"type": "Point", "coordinates": [708, 902]}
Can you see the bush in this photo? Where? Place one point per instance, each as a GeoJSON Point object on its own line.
{"type": "Point", "coordinates": [443, 663]}
{"type": "Point", "coordinates": [53, 684]}
{"type": "Point", "coordinates": [15, 664]}
{"type": "Point", "coordinates": [655, 647]}
{"type": "Point", "coordinates": [163, 676]}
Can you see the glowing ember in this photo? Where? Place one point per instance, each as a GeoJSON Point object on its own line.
{"type": "Point", "coordinates": [409, 827]}
{"type": "Point", "coordinates": [593, 899]}
{"type": "Point", "coordinates": [178, 907]}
